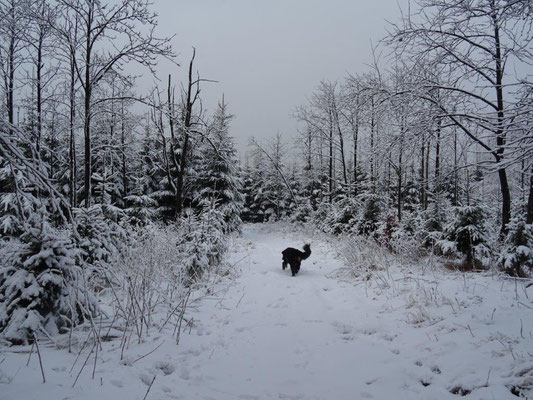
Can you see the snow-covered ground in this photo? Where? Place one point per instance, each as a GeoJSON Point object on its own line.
{"type": "Point", "coordinates": [391, 331]}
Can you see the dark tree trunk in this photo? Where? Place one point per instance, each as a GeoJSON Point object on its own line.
{"type": "Point", "coordinates": [372, 133]}
{"type": "Point", "coordinates": [530, 200]}
{"type": "Point", "coordinates": [500, 131]}
{"type": "Point", "coordinates": [455, 175]}
{"type": "Point", "coordinates": [422, 169]}
{"type": "Point", "coordinates": [355, 149]}
{"type": "Point", "coordinates": [330, 169]}
{"type": "Point", "coordinates": [399, 203]}
{"type": "Point", "coordinates": [11, 68]}
{"type": "Point", "coordinates": [39, 90]}
{"type": "Point", "coordinates": [72, 145]}
{"type": "Point", "coordinates": [87, 86]}
{"type": "Point", "coordinates": [437, 156]}
{"type": "Point", "coordinates": [426, 177]}
{"type": "Point", "coordinates": [123, 149]}
{"type": "Point", "coordinates": [185, 146]}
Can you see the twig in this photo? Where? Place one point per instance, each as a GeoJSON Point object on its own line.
{"type": "Point", "coordinates": [237, 306]}
{"type": "Point", "coordinates": [178, 334]}
{"type": "Point", "coordinates": [95, 358]}
{"type": "Point", "coordinates": [147, 354]}
{"type": "Point", "coordinates": [488, 377]}
{"type": "Point", "coordinates": [470, 330]}
{"type": "Point", "coordinates": [85, 363]}
{"type": "Point", "coordinates": [39, 354]}
{"type": "Point", "coordinates": [149, 387]}
{"type": "Point", "coordinates": [31, 351]}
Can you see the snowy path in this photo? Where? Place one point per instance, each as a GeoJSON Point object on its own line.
{"type": "Point", "coordinates": [266, 335]}
{"type": "Point", "coordinates": [312, 337]}
{"type": "Point", "coordinates": [274, 336]}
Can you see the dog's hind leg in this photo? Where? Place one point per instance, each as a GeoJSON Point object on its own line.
{"type": "Point", "coordinates": [294, 269]}
{"type": "Point", "coordinates": [284, 265]}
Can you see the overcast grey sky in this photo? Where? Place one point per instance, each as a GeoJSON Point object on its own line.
{"type": "Point", "coordinates": [269, 55]}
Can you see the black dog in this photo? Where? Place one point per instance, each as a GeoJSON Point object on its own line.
{"type": "Point", "coordinates": [294, 258]}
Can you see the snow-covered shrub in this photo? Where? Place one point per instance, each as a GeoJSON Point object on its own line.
{"type": "Point", "coordinates": [466, 234]}
{"type": "Point", "coordinates": [303, 212]}
{"type": "Point", "coordinates": [41, 284]}
{"type": "Point", "coordinates": [202, 242]}
{"type": "Point", "coordinates": [101, 238]}
{"type": "Point", "coordinates": [386, 231]}
{"type": "Point", "coordinates": [322, 217]}
{"type": "Point", "coordinates": [434, 222]}
{"type": "Point", "coordinates": [345, 216]}
{"type": "Point", "coordinates": [371, 216]}
{"type": "Point", "coordinates": [517, 256]}
{"type": "Point", "coordinates": [406, 236]}
{"type": "Point", "coordinates": [141, 209]}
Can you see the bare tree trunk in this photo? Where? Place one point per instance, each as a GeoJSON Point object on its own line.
{"type": "Point", "coordinates": [39, 92]}
{"type": "Point", "coordinates": [426, 178]}
{"type": "Point", "coordinates": [341, 142]}
{"type": "Point", "coordinates": [330, 170]}
{"type": "Point", "coordinates": [186, 131]}
{"type": "Point", "coordinates": [123, 150]}
{"type": "Point", "coordinates": [455, 174]}
{"type": "Point", "coordinates": [437, 156]}
{"type": "Point", "coordinates": [310, 169]}
{"type": "Point", "coordinates": [529, 219]}
{"type": "Point", "coordinates": [372, 133]}
{"type": "Point", "coordinates": [72, 142]}
{"type": "Point", "coordinates": [87, 87]}
{"type": "Point", "coordinates": [355, 150]}
{"type": "Point", "coordinates": [11, 67]}
{"type": "Point", "coordinates": [400, 188]}
{"type": "Point", "coordinates": [422, 169]}
{"type": "Point", "coordinates": [500, 132]}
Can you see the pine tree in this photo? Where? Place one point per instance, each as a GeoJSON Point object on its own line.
{"type": "Point", "coordinates": [517, 256]}
{"type": "Point", "coordinates": [466, 233]}
{"type": "Point", "coordinates": [218, 181]}
{"type": "Point", "coordinates": [42, 285]}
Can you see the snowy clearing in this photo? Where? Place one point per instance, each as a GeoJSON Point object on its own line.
{"type": "Point", "coordinates": [391, 331]}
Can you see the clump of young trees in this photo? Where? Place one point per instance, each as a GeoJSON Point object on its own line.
{"type": "Point", "coordinates": [434, 148]}
{"type": "Point", "coordinates": [84, 168]}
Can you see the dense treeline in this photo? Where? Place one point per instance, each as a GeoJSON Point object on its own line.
{"type": "Point", "coordinates": [88, 163]}
{"type": "Point", "coordinates": [431, 146]}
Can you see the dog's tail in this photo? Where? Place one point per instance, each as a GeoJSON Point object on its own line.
{"type": "Point", "coordinates": [307, 251]}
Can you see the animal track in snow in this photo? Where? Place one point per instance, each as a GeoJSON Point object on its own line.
{"type": "Point", "coordinates": [117, 383]}
{"type": "Point", "coordinates": [165, 367]}
{"type": "Point", "coordinates": [147, 380]}
{"type": "Point", "coordinates": [388, 338]}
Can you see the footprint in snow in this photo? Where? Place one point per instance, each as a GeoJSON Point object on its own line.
{"type": "Point", "coordinates": [147, 380]}
{"type": "Point", "coordinates": [341, 328]}
{"type": "Point", "coordinates": [117, 383]}
{"type": "Point", "coordinates": [388, 338]}
{"type": "Point", "coordinates": [165, 367]}
{"type": "Point", "coordinates": [185, 374]}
